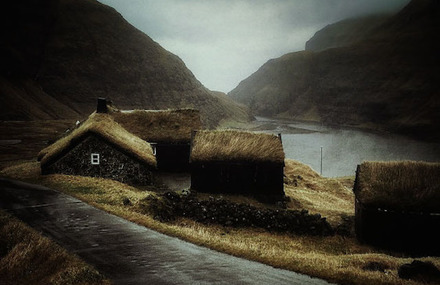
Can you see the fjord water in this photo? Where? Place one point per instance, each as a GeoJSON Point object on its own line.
{"type": "Point", "coordinates": [342, 148]}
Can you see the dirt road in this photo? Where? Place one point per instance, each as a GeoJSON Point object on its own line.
{"type": "Point", "coordinates": [128, 253]}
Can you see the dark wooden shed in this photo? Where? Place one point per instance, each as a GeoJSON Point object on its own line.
{"type": "Point", "coordinates": [236, 162]}
{"type": "Point", "coordinates": [100, 147]}
{"type": "Point", "coordinates": [398, 206]}
{"type": "Point", "coordinates": [168, 131]}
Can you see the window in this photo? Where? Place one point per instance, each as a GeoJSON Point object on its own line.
{"type": "Point", "coordinates": [95, 158]}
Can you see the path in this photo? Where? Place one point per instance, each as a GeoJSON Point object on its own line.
{"type": "Point", "coordinates": [128, 253]}
{"type": "Point", "coordinates": [174, 181]}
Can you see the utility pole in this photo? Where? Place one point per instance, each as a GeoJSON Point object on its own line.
{"type": "Point", "coordinates": [321, 160]}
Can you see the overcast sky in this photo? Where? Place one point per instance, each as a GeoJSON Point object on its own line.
{"type": "Point", "coordinates": [224, 41]}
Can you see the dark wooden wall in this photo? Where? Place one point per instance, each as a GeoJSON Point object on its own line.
{"type": "Point", "coordinates": [172, 157]}
{"type": "Point", "coordinates": [114, 164]}
{"type": "Point", "coordinates": [259, 180]}
{"type": "Point", "coordinates": [411, 232]}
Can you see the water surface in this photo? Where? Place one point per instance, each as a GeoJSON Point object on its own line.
{"type": "Point", "coordinates": [342, 148]}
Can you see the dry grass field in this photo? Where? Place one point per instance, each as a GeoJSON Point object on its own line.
{"type": "Point", "coordinates": [22, 140]}
{"type": "Point", "coordinates": [339, 259]}
{"type": "Point", "coordinates": [26, 257]}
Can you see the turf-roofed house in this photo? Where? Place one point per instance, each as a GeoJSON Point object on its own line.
{"type": "Point", "coordinates": [100, 147]}
{"type": "Point", "coordinates": [168, 132]}
{"type": "Point", "coordinates": [398, 205]}
{"type": "Point", "coordinates": [238, 162]}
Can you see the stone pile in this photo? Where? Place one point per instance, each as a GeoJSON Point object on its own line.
{"type": "Point", "coordinates": [226, 213]}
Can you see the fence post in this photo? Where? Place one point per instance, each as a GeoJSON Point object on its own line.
{"type": "Point", "coordinates": [321, 160]}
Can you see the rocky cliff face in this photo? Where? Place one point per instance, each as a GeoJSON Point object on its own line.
{"type": "Point", "coordinates": [60, 55]}
{"type": "Point", "coordinates": [384, 81]}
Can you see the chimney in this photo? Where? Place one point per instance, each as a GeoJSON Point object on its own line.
{"type": "Point", "coordinates": [102, 106]}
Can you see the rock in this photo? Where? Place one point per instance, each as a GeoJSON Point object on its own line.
{"type": "Point", "coordinates": [126, 202]}
{"type": "Point", "coordinates": [420, 271]}
{"type": "Point", "coordinates": [186, 192]}
{"type": "Point", "coordinates": [346, 227]}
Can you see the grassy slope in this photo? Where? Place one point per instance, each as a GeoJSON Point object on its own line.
{"type": "Point", "coordinates": [26, 139]}
{"type": "Point", "coordinates": [81, 50]}
{"type": "Point", "coordinates": [336, 258]}
{"type": "Point", "coordinates": [330, 197]}
{"type": "Point", "coordinates": [28, 258]}
{"type": "Point", "coordinates": [345, 32]}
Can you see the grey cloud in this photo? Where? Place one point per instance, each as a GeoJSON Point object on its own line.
{"type": "Point", "coordinates": [223, 42]}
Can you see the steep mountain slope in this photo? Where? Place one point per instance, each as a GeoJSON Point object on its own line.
{"type": "Point", "coordinates": [59, 55]}
{"type": "Point", "coordinates": [344, 33]}
{"type": "Point", "coordinates": [386, 81]}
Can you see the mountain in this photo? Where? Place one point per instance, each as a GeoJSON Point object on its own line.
{"type": "Point", "coordinates": [385, 81]}
{"type": "Point", "coordinates": [58, 56]}
{"type": "Point", "coordinates": [344, 33]}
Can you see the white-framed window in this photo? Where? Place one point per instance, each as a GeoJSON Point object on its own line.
{"type": "Point", "coordinates": [94, 159]}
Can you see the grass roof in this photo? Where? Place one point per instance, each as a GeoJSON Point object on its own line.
{"type": "Point", "coordinates": [404, 185]}
{"type": "Point", "coordinates": [173, 126]}
{"type": "Point", "coordinates": [104, 126]}
{"type": "Point", "coordinates": [229, 145]}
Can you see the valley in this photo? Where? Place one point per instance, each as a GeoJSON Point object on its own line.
{"type": "Point", "coordinates": [377, 80]}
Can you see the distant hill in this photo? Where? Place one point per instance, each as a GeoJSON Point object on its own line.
{"type": "Point", "coordinates": [58, 56]}
{"type": "Point", "coordinates": [345, 32]}
{"type": "Point", "coordinates": [387, 80]}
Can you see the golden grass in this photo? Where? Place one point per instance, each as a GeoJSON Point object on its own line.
{"type": "Point", "coordinates": [406, 185]}
{"type": "Point", "coordinates": [160, 125]}
{"type": "Point", "coordinates": [326, 196]}
{"type": "Point", "coordinates": [104, 126]}
{"type": "Point", "coordinates": [28, 258]}
{"type": "Point", "coordinates": [335, 258]}
{"type": "Point", "coordinates": [32, 136]}
{"type": "Point", "coordinates": [227, 145]}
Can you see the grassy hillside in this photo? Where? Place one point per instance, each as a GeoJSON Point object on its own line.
{"type": "Point", "coordinates": [60, 55]}
{"type": "Point", "coordinates": [386, 81]}
{"type": "Point", "coordinates": [344, 33]}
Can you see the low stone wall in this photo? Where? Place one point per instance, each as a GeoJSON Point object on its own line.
{"type": "Point", "coordinates": [220, 211]}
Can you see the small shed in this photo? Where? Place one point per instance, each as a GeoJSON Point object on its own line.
{"type": "Point", "coordinates": [168, 132]}
{"type": "Point", "coordinates": [238, 162]}
{"type": "Point", "coordinates": [397, 205]}
{"type": "Point", "coordinates": [100, 147]}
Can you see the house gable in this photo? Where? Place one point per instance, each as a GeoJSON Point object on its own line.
{"type": "Point", "coordinates": [104, 126]}
{"type": "Point", "coordinates": [93, 156]}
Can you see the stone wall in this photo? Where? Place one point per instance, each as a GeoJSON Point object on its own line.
{"type": "Point", "coordinates": [114, 164]}
{"type": "Point", "coordinates": [220, 211]}
{"type": "Point", "coordinates": [262, 181]}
